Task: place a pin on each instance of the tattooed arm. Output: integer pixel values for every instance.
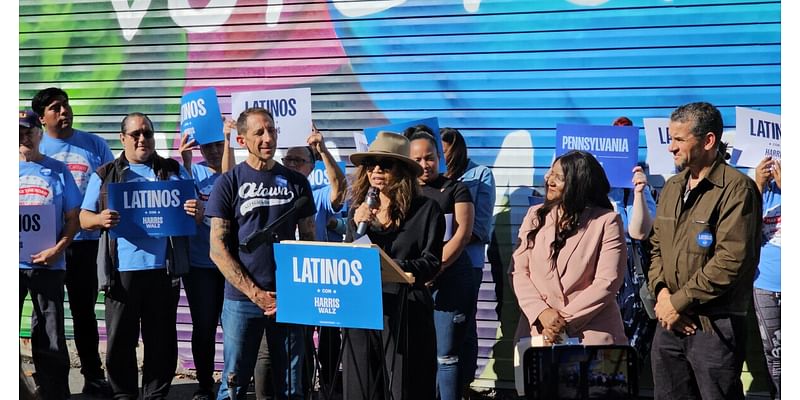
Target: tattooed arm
(233, 271)
(307, 228)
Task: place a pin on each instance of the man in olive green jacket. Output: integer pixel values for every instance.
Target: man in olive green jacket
(706, 245)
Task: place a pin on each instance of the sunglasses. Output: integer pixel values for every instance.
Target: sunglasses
(135, 135)
(384, 163)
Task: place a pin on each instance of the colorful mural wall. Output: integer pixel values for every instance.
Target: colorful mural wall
(504, 72)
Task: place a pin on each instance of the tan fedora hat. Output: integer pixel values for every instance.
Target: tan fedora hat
(388, 145)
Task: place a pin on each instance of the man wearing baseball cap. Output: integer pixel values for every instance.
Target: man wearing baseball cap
(45, 187)
(83, 153)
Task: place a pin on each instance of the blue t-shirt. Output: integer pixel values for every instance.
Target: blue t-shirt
(204, 179)
(46, 182)
(480, 183)
(83, 153)
(322, 199)
(768, 276)
(251, 200)
(617, 198)
(140, 253)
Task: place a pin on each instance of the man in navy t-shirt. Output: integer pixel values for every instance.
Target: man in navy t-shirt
(244, 200)
(83, 153)
(328, 200)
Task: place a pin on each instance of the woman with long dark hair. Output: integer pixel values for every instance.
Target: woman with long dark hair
(571, 257)
(409, 227)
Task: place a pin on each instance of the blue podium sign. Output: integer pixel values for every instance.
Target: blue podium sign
(615, 147)
(152, 209)
(200, 116)
(328, 285)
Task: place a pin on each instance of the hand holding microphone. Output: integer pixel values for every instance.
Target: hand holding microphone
(372, 202)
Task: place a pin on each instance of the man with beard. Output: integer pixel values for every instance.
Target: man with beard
(706, 245)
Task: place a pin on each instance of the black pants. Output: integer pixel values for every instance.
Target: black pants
(706, 365)
(262, 373)
(411, 368)
(81, 284)
(205, 289)
(147, 299)
(330, 340)
(48, 342)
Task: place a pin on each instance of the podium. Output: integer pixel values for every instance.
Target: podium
(343, 285)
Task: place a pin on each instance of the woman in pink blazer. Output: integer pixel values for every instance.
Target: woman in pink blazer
(571, 257)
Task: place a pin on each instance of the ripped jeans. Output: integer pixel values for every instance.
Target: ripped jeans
(451, 306)
(768, 312)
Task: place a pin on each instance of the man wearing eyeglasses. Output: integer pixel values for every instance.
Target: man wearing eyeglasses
(328, 199)
(138, 274)
(83, 153)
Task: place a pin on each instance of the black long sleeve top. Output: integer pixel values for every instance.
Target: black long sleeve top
(416, 245)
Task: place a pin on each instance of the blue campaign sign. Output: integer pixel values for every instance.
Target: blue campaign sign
(200, 116)
(615, 147)
(399, 127)
(329, 285)
(319, 176)
(152, 209)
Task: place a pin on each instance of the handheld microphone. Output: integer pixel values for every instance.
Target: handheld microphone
(257, 238)
(373, 202)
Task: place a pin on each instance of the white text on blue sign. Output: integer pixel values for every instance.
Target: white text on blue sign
(327, 271)
(595, 144)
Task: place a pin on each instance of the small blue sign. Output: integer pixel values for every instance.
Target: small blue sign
(200, 116)
(704, 239)
(615, 147)
(399, 127)
(319, 176)
(152, 209)
(327, 285)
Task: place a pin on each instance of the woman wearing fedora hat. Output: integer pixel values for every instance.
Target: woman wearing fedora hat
(409, 228)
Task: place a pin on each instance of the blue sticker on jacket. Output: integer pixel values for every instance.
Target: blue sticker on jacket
(280, 181)
(704, 239)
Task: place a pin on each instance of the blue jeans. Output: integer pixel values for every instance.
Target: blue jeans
(243, 325)
(452, 295)
(468, 361)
